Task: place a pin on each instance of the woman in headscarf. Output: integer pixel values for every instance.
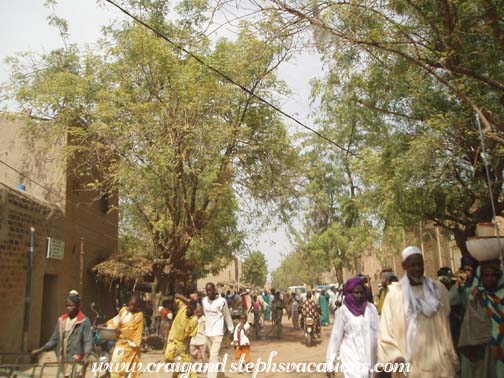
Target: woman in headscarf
(487, 291)
(129, 325)
(354, 334)
(266, 299)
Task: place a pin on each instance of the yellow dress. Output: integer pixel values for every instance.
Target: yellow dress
(127, 347)
(183, 328)
(381, 299)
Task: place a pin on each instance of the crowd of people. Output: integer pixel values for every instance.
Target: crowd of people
(448, 327)
(444, 328)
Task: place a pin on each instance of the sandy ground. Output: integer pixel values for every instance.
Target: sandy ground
(290, 348)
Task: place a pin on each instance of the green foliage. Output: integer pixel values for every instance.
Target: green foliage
(255, 269)
(174, 139)
(404, 85)
(297, 268)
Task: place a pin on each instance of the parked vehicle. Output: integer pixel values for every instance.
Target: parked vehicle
(299, 290)
(323, 287)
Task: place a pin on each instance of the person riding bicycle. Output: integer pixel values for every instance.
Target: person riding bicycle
(72, 337)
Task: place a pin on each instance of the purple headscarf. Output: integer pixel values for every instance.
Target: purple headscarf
(352, 305)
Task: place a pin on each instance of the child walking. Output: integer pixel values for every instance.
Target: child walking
(199, 343)
(241, 339)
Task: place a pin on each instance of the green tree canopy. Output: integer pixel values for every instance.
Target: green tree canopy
(174, 139)
(405, 82)
(255, 269)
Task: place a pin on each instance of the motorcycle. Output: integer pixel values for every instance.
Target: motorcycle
(309, 331)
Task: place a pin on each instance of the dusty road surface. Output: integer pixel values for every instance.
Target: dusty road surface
(290, 348)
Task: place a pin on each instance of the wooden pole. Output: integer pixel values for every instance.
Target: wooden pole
(438, 237)
(29, 269)
(421, 240)
(81, 276)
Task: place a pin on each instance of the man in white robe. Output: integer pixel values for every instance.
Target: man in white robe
(414, 324)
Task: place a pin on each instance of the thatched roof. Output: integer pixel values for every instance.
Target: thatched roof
(118, 267)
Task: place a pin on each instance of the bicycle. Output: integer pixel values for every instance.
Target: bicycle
(103, 345)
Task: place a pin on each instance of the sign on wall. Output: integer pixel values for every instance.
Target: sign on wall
(55, 249)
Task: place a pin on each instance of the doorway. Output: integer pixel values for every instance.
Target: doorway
(50, 306)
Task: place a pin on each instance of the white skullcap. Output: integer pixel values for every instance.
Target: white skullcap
(73, 293)
(408, 251)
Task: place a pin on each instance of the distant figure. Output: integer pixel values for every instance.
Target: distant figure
(365, 279)
(295, 304)
(277, 307)
(382, 293)
(311, 309)
(267, 301)
(323, 302)
(445, 276)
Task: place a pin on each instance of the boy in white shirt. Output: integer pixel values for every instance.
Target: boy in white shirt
(217, 316)
(241, 339)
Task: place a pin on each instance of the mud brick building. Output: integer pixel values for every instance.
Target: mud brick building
(438, 249)
(37, 191)
(227, 279)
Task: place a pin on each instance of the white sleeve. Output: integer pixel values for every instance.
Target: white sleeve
(235, 333)
(336, 338)
(227, 317)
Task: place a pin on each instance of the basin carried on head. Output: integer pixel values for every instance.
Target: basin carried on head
(485, 249)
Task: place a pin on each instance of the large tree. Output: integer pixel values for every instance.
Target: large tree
(407, 84)
(459, 44)
(335, 230)
(255, 269)
(297, 268)
(176, 140)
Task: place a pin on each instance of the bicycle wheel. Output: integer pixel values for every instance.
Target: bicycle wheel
(91, 367)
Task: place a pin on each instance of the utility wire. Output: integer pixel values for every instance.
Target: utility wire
(229, 79)
(484, 157)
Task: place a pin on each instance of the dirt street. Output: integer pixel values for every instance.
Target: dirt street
(290, 348)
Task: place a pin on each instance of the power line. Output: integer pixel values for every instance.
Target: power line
(77, 205)
(229, 79)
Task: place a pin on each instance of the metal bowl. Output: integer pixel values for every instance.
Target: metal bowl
(485, 249)
(107, 333)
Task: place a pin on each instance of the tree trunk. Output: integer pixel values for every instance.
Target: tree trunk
(460, 240)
